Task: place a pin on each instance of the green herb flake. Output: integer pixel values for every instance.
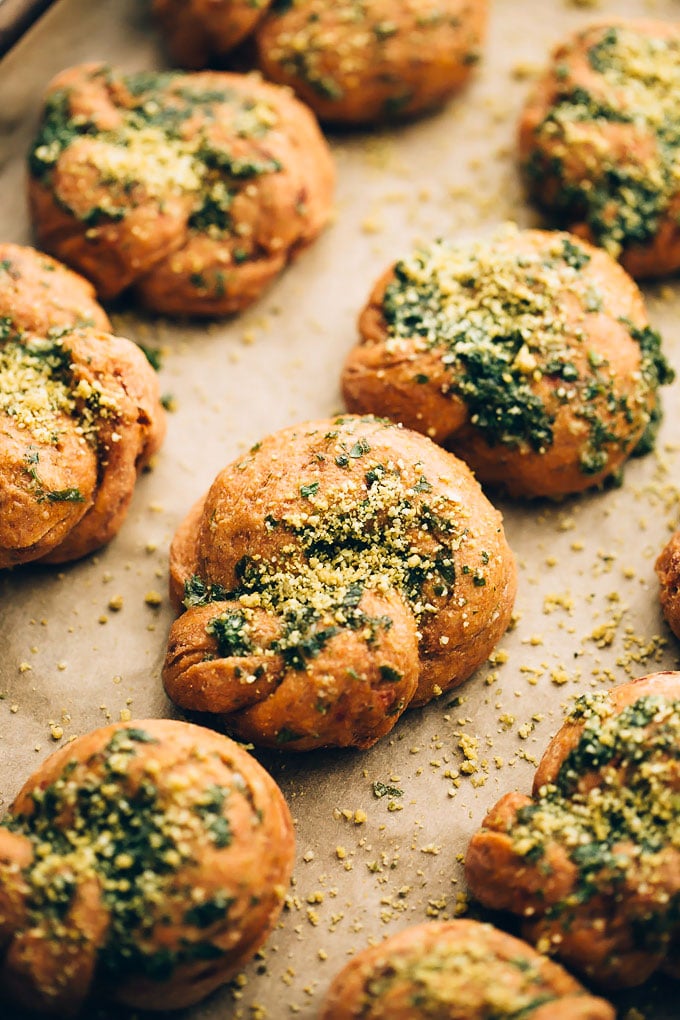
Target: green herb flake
(287, 736)
(360, 448)
(382, 790)
(231, 633)
(210, 808)
(198, 592)
(153, 355)
(209, 912)
(71, 495)
(422, 485)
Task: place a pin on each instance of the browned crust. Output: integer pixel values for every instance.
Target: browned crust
(665, 684)
(598, 935)
(668, 572)
(58, 975)
(103, 470)
(383, 382)
(617, 142)
(259, 696)
(398, 61)
(184, 552)
(362, 706)
(198, 31)
(505, 958)
(38, 293)
(174, 266)
(126, 445)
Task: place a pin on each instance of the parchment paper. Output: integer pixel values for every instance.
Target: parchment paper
(587, 607)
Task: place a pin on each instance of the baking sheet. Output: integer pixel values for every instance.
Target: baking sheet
(587, 605)
(15, 17)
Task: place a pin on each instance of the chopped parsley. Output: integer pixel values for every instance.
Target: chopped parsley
(616, 830)
(151, 148)
(494, 314)
(231, 632)
(71, 495)
(108, 818)
(622, 194)
(390, 674)
(198, 593)
(348, 544)
(382, 790)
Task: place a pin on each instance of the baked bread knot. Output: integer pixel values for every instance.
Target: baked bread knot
(529, 355)
(144, 863)
(80, 414)
(457, 970)
(340, 572)
(372, 60)
(600, 141)
(194, 190)
(354, 61)
(668, 572)
(37, 293)
(198, 32)
(591, 861)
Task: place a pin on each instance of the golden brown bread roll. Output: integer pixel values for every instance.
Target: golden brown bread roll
(377, 60)
(600, 140)
(371, 61)
(668, 573)
(80, 414)
(37, 293)
(340, 572)
(195, 190)
(529, 355)
(457, 970)
(199, 31)
(591, 861)
(79, 417)
(143, 863)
